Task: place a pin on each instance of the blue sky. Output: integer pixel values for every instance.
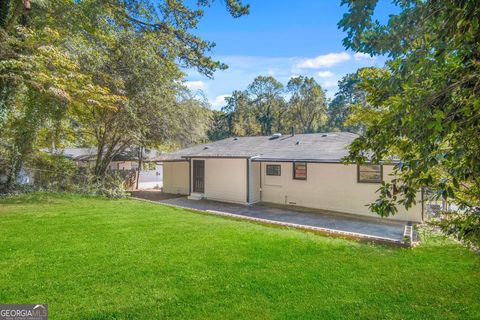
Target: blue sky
(282, 38)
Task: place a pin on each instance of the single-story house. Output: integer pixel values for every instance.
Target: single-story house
(151, 175)
(126, 160)
(295, 170)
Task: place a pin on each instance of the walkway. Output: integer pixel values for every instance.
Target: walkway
(362, 228)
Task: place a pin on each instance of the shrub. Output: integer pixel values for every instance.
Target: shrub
(463, 226)
(52, 172)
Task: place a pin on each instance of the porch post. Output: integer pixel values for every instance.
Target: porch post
(189, 176)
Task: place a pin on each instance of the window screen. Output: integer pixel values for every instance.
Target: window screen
(300, 170)
(370, 173)
(274, 170)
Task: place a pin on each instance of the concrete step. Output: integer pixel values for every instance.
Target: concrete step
(195, 196)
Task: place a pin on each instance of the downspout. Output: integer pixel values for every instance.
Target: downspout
(261, 191)
(248, 180)
(423, 202)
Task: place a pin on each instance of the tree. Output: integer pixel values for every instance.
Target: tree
(424, 106)
(348, 97)
(75, 54)
(307, 105)
(39, 81)
(219, 126)
(242, 115)
(266, 94)
(157, 110)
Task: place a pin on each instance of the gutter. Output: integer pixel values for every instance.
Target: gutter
(314, 161)
(221, 157)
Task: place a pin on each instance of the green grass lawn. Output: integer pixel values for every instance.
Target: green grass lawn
(104, 259)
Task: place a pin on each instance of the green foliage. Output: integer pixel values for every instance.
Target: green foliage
(265, 94)
(56, 173)
(53, 172)
(219, 128)
(263, 110)
(112, 185)
(348, 98)
(463, 226)
(307, 106)
(424, 106)
(108, 73)
(241, 115)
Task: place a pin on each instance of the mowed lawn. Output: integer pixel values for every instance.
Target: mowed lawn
(92, 258)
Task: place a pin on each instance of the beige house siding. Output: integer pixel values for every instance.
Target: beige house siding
(175, 177)
(225, 179)
(254, 182)
(329, 187)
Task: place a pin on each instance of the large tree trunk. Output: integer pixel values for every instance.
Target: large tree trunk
(15, 167)
(105, 157)
(25, 134)
(20, 151)
(20, 6)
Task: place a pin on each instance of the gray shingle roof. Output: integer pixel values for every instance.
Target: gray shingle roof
(327, 147)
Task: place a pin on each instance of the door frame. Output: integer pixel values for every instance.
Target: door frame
(195, 175)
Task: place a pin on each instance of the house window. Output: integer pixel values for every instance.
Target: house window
(300, 170)
(274, 170)
(372, 173)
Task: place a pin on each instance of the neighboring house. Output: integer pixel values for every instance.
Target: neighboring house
(150, 177)
(127, 160)
(299, 170)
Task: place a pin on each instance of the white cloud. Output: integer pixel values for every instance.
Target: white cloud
(326, 60)
(219, 100)
(195, 85)
(359, 56)
(325, 74)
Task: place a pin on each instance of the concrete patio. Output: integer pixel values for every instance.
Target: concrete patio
(361, 228)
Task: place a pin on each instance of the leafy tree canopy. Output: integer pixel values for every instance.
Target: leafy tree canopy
(307, 104)
(262, 109)
(348, 98)
(424, 106)
(110, 69)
